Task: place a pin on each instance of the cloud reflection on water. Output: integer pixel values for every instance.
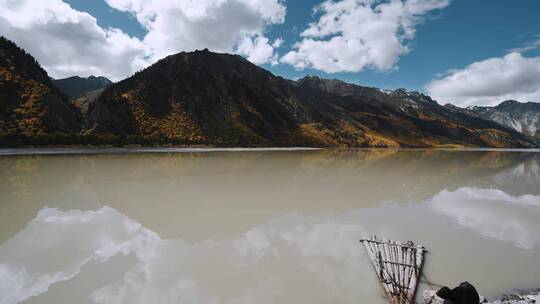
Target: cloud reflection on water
(493, 213)
(57, 246)
(290, 258)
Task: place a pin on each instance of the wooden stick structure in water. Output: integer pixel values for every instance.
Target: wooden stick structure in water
(398, 266)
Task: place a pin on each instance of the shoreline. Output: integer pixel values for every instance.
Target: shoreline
(204, 149)
(518, 297)
(136, 150)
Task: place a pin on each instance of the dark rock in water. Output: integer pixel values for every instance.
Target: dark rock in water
(465, 293)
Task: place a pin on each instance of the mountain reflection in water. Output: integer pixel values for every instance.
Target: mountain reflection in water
(261, 227)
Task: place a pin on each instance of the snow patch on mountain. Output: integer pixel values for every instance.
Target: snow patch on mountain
(523, 117)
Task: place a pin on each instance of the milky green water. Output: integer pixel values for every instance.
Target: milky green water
(261, 226)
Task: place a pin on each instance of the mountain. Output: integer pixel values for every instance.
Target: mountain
(222, 99)
(218, 99)
(29, 103)
(76, 86)
(413, 118)
(523, 117)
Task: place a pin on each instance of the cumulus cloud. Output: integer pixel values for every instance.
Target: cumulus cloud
(351, 35)
(68, 42)
(490, 81)
(220, 25)
(259, 50)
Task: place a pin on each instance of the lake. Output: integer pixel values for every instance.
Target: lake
(240, 226)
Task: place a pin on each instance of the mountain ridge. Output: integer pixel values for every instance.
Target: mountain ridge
(217, 99)
(76, 86)
(248, 105)
(521, 116)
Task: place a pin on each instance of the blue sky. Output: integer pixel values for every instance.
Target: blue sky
(464, 32)
(441, 48)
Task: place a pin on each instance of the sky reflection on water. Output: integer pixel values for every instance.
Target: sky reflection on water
(265, 227)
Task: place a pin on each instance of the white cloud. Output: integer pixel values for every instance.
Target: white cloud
(490, 81)
(68, 42)
(258, 50)
(529, 46)
(277, 43)
(220, 25)
(351, 35)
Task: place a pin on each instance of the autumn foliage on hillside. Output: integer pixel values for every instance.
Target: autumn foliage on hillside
(29, 104)
(216, 99)
(225, 100)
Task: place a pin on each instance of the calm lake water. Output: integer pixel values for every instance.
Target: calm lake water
(261, 226)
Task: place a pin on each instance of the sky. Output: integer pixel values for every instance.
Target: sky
(459, 51)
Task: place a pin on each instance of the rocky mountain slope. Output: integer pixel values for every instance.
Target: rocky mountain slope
(223, 99)
(76, 86)
(214, 98)
(29, 103)
(523, 117)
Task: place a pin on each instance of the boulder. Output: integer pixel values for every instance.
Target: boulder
(465, 293)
